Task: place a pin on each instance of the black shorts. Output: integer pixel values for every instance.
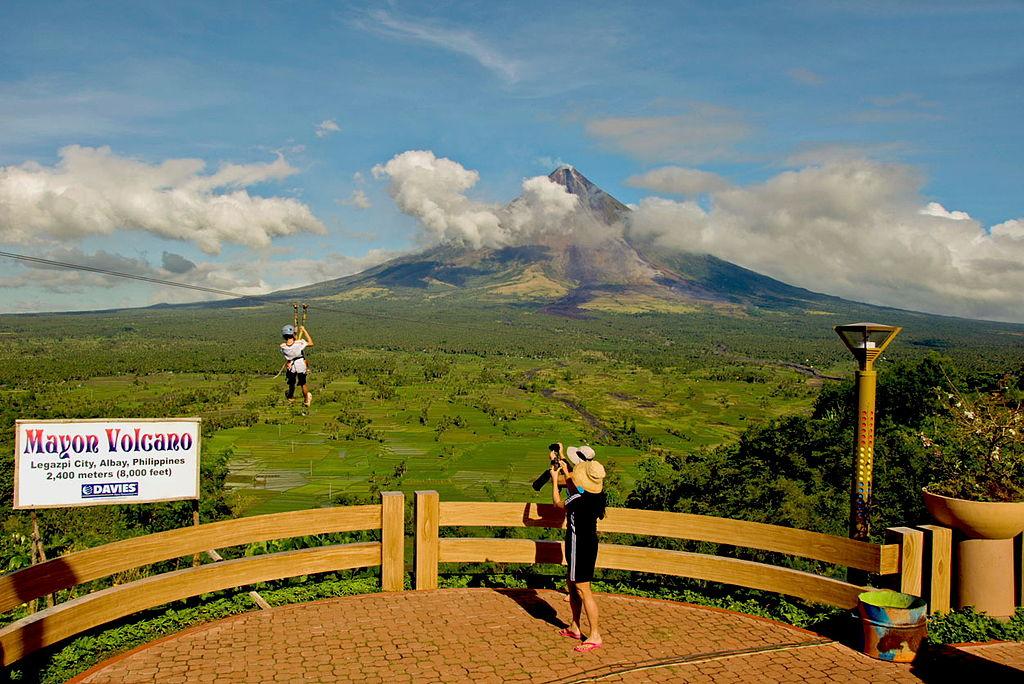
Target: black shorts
(296, 378)
(580, 552)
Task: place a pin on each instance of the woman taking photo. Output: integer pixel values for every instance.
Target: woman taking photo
(584, 505)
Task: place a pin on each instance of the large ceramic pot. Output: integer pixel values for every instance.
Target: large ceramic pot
(985, 559)
(977, 519)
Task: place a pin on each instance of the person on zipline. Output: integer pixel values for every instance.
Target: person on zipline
(295, 362)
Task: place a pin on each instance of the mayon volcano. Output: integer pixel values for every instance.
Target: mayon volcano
(587, 262)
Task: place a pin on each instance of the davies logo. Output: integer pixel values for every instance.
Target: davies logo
(99, 491)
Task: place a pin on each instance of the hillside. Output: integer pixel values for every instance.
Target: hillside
(595, 266)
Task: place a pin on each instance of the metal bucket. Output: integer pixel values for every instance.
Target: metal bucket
(894, 624)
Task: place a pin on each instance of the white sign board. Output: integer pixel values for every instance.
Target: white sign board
(59, 463)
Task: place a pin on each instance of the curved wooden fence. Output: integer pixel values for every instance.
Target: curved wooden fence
(431, 548)
(54, 624)
(47, 627)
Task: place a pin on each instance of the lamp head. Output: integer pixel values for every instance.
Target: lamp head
(867, 341)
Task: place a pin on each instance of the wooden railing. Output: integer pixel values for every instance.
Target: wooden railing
(49, 626)
(900, 560)
(897, 559)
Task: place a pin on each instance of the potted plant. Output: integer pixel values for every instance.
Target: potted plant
(977, 487)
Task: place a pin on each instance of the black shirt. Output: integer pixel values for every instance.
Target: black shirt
(583, 510)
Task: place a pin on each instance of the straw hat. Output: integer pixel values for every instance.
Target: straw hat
(579, 454)
(589, 475)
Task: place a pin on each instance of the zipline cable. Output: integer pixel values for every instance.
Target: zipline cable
(133, 276)
(225, 293)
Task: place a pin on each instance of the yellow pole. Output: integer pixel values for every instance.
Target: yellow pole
(863, 457)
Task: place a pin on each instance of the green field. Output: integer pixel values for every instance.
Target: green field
(499, 420)
(472, 428)
(462, 400)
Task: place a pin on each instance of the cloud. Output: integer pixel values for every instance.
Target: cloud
(433, 190)
(175, 263)
(455, 40)
(704, 133)
(858, 229)
(899, 108)
(542, 208)
(805, 76)
(1012, 229)
(70, 289)
(304, 271)
(91, 191)
(241, 277)
(675, 180)
(815, 154)
(936, 209)
(326, 127)
(357, 199)
(548, 163)
(96, 102)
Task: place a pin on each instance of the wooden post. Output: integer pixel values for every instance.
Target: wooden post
(392, 537)
(195, 521)
(939, 563)
(33, 605)
(427, 519)
(38, 556)
(911, 557)
(254, 595)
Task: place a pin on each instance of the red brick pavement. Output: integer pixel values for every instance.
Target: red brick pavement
(486, 635)
(1009, 653)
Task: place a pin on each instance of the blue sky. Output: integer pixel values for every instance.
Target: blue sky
(746, 91)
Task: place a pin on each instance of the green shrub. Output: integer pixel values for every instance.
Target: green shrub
(966, 624)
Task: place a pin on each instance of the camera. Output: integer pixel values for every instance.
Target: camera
(554, 450)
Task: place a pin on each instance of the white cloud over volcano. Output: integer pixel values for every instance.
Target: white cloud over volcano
(92, 191)
(857, 229)
(433, 190)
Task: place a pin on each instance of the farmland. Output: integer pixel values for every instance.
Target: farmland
(480, 429)
(470, 427)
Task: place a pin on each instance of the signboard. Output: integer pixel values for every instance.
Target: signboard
(59, 463)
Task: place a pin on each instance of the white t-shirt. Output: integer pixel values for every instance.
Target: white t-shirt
(292, 352)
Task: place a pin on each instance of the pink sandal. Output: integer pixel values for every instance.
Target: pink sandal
(566, 632)
(587, 647)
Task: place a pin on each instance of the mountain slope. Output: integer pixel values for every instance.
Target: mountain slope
(592, 265)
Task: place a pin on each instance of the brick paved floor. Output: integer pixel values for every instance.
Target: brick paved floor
(486, 635)
(1008, 653)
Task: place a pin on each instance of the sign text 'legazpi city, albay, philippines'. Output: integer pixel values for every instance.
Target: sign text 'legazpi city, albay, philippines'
(91, 462)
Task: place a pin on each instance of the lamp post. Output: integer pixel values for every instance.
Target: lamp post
(866, 341)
